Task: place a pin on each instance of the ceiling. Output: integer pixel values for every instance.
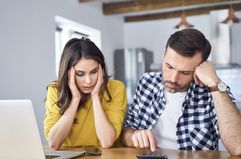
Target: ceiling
(144, 10)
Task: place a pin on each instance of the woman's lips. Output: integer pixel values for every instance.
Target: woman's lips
(88, 88)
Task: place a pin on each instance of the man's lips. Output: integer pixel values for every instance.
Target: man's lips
(171, 86)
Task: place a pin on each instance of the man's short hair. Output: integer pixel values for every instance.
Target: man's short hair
(188, 42)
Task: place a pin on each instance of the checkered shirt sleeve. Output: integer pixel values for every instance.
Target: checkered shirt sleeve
(145, 109)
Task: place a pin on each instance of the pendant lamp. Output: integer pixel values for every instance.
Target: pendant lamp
(231, 17)
(183, 24)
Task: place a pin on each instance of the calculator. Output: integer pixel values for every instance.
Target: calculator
(152, 155)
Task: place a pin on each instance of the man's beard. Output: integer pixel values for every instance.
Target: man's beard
(172, 87)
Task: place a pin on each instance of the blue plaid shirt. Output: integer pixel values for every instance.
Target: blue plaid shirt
(197, 128)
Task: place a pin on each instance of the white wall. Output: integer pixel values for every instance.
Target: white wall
(236, 42)
(27, 56)
(153, 35)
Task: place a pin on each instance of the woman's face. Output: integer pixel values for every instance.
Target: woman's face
(86, 74)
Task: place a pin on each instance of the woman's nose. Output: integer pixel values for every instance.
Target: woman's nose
(87, 79)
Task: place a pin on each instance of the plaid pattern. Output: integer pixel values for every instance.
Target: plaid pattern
(197, 128)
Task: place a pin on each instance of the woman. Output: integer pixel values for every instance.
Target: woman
(84, 107)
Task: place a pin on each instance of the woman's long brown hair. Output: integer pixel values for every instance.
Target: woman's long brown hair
(74, 50)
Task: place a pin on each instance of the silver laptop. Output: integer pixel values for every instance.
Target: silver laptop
(19, 135)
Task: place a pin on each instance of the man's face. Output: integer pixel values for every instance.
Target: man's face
(178, 70)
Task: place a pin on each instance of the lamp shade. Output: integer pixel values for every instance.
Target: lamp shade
(183, 24)
(231, 17)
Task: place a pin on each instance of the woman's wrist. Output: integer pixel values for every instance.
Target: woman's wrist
(94, 96)
(75, 100)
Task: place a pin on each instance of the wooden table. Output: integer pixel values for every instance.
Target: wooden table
(130, 153)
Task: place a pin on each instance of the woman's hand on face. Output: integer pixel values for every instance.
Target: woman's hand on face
(99, 82)
(72, 85)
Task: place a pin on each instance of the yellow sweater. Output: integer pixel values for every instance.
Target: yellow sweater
(83, 129)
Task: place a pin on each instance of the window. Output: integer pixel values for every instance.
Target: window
(67, 29)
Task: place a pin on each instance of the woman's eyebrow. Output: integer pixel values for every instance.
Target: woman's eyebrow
(96, 68)
(78, 70)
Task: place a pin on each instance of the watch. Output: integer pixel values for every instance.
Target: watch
(221, 87)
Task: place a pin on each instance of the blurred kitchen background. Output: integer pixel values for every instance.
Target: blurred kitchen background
(131, 33)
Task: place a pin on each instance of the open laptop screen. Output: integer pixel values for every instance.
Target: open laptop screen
(19, 133)
(20, 137)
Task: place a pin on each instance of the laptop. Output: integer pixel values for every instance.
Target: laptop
(19, 135)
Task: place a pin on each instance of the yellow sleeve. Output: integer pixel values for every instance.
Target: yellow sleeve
(117, 106)
(52, 114)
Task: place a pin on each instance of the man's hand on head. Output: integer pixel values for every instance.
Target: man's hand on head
(205, 74)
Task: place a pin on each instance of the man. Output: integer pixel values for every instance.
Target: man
(186, 106)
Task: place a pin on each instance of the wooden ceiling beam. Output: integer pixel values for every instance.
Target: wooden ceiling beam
(174, 14)
(147, 5)
(82, 1)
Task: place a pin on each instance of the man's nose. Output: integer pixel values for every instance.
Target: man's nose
(174, 76)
